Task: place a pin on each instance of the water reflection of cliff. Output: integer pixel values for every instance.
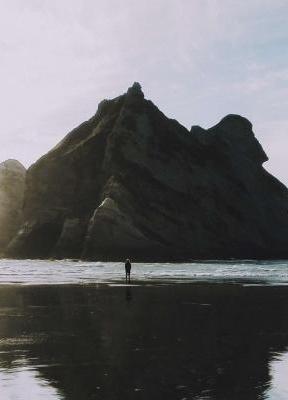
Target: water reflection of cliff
(169, 342)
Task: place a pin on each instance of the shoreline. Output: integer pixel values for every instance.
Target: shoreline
(46, 272)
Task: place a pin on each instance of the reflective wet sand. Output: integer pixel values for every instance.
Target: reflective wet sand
(189, 341)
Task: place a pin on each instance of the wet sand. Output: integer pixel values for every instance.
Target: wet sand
(183, 341)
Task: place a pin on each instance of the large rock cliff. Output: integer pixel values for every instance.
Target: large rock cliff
(132, 182)
(12, 184)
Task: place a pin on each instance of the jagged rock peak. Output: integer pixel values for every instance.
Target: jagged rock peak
(135, 90)
(134, 93)
(235, 131)
(235, 121)
(130, 181)
(238, 131)
(230, 123)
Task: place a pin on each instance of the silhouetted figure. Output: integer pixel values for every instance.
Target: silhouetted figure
(127, 270)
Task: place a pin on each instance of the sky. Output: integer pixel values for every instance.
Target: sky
(197, 60)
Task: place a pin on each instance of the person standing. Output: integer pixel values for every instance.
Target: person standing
(127, 270)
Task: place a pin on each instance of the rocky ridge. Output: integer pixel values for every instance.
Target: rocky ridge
(132, 182)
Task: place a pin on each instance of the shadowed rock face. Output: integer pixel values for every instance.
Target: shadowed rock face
(12, 184)
(131, 181)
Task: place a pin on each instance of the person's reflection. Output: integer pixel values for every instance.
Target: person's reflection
(128, 294)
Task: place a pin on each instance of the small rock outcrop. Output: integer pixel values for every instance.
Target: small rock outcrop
(132, 182)
(12, 184)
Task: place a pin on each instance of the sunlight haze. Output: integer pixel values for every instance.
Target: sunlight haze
(196, 60)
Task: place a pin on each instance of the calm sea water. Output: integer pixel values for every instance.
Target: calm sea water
(201, 331)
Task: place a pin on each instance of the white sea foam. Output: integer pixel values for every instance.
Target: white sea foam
(38, 272)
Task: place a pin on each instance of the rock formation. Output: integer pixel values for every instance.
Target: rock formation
(132, 182)
(12, 184)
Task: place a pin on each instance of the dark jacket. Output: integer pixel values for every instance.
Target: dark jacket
(127, 266)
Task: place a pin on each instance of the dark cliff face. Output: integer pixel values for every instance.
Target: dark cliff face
(132, 182)
(12, 184)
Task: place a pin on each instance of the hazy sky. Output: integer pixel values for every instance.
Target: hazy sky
(198, 60)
